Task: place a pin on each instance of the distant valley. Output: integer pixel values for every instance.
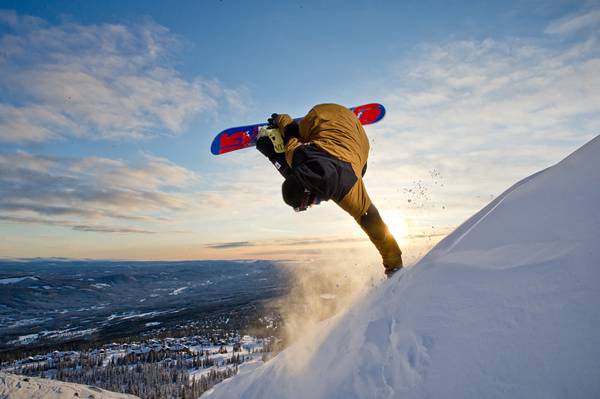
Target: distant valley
(48, 301)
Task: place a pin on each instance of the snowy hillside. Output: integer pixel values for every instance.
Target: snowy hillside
(507, 306)
(21, 387)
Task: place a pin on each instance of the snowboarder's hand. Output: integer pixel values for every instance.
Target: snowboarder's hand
(273, 121)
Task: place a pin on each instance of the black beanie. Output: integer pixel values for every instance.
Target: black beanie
(292, 191)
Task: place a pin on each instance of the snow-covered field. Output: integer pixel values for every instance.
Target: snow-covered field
(507, 306)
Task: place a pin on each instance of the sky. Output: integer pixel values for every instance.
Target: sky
(108, 109)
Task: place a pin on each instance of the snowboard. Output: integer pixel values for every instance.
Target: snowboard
(236, 138)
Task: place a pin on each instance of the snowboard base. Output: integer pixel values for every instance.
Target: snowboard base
(237, 138)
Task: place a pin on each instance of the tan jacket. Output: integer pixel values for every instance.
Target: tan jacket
(336, 130)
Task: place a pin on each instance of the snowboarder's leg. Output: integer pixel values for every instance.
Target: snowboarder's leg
(384, 241)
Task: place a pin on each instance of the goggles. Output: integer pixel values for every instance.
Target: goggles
(307, 200)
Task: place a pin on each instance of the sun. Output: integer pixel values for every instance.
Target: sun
(397, 225)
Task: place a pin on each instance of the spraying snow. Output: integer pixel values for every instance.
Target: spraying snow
(505, 306)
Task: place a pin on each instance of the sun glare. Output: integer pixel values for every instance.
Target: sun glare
(397, 225)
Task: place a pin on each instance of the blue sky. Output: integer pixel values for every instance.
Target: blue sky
(107, 111)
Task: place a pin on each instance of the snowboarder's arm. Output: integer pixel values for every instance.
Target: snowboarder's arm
(291, 146)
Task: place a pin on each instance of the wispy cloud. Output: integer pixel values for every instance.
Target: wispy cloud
(230, 245)
(287, 242)
(103, 81)
(105, 229)
(91, 194)
(574, 23)
(74, 226)
(320, 241)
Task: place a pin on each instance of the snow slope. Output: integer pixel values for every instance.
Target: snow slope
(507, 306)
(21, 387)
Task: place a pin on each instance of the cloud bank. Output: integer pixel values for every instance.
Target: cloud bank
(92, 194)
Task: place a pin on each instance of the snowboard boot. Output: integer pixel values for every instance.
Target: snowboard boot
(392, 266)
(384, 241)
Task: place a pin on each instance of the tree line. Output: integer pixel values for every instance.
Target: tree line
(162, 374)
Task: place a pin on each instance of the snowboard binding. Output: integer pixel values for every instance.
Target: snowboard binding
(274, 135)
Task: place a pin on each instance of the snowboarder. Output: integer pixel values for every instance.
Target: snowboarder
(323, 157)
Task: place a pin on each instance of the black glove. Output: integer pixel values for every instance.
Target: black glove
(272, 121)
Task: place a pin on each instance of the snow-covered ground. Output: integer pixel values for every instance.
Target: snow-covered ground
(250, 351)
(21, 387)
(507, 306)
(52, 334)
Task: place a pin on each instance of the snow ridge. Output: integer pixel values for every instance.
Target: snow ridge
(505, 306)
